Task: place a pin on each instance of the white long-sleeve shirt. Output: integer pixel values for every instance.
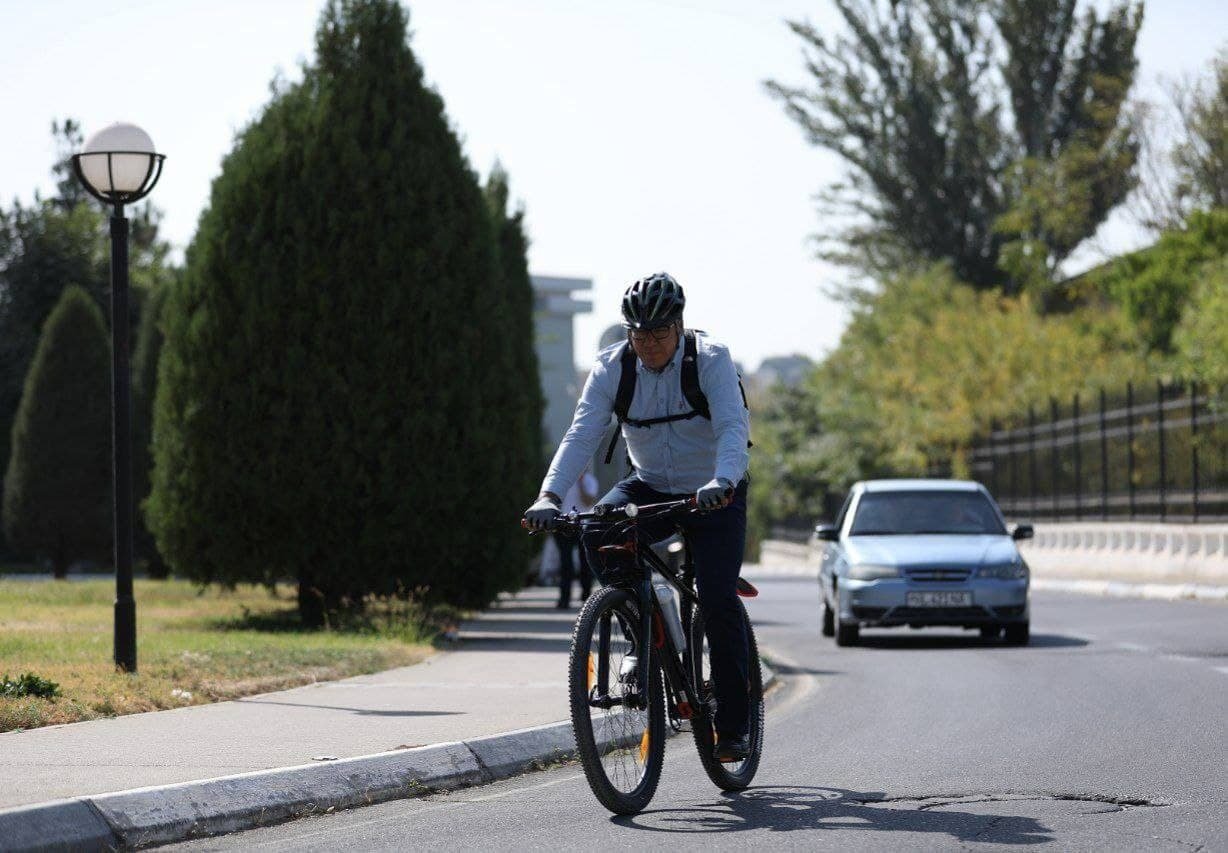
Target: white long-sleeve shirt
(676, 457)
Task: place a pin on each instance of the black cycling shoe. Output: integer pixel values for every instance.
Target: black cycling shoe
(731, 748)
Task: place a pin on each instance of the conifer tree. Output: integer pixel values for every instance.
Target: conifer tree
(324, 407)
(144, 382)
(517, 394)
(57, 490)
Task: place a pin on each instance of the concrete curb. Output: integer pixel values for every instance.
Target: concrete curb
(164, 814)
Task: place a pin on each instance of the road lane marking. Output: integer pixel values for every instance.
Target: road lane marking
(1223, 669)
(1133, 647)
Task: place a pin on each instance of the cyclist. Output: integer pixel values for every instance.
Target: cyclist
(676, 449)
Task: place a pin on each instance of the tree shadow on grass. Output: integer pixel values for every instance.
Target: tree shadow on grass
(792, 808)
(284, 621)
(402, 620)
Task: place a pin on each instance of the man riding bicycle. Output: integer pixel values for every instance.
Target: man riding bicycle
(681, 440)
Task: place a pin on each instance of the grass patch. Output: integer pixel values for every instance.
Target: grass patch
(193, 646)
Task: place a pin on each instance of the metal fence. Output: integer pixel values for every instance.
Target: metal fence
(1156, 453)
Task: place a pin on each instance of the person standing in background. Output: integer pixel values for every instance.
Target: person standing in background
(579, 497)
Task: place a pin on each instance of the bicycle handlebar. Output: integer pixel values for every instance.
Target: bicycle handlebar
(569, 523)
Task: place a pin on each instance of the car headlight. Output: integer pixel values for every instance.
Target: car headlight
(1004, 571)
(865, 572)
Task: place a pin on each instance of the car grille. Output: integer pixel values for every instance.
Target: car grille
(944, 614)
(954, 575)
(869, 612)
(1012, 611)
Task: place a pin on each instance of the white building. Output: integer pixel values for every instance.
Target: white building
(554, 308)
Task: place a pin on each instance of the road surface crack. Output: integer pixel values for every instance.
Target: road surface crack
(925, 803)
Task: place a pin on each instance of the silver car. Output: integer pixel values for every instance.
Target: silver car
(922, 553)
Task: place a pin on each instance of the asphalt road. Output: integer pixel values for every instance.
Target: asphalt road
(1108, 732)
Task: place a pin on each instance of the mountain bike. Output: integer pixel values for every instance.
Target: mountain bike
(640, 660)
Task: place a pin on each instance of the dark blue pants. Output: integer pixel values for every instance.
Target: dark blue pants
(567, 571)
(717, 540)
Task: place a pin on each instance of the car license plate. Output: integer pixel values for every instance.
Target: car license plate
(940, 599)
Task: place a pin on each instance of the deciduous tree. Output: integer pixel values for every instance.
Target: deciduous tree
(950, 151)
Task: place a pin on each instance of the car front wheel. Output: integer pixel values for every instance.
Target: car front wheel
(1017, 634)
(847, 633)
(829, 620)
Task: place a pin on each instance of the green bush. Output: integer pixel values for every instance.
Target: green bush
(1201, 339)
(28, 684)
(57, 491)
(331, 399)
(1154, 285)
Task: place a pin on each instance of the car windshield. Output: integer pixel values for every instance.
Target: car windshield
(907, 513)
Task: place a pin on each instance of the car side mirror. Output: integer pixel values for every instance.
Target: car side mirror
(1022, 531)
(826, 533)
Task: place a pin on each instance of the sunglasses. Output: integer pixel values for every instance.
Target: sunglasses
(641, 337)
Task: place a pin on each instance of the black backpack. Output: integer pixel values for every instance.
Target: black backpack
(690, 390)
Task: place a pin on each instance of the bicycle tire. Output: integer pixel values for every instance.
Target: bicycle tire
(618, 735)
(737, 776)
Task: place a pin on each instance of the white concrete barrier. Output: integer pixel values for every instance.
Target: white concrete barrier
(777, 552)
(1130, 552)
(1115, 551)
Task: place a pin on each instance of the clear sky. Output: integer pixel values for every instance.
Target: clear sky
(636, 133)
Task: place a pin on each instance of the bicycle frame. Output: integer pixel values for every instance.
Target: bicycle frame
(683, 694)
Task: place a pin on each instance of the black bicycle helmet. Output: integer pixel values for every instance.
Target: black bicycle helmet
(652, 302)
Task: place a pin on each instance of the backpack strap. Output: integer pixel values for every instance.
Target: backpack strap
(690, 376)
(622, 398)
(690, 381)
(626, 383)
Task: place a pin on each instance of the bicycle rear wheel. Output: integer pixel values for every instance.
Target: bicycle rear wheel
(619, 728)
(738, 775)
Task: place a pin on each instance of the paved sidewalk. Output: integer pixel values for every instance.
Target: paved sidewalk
(508, 671)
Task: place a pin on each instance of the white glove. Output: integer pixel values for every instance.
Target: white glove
(542, 514)
(717, 493)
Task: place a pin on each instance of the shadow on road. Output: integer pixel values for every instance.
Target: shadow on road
(788, 669)
(957, 641)
(508, 643)
(787, 809)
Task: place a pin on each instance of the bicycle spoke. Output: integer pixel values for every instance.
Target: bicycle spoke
(623, 728)
(603, 646)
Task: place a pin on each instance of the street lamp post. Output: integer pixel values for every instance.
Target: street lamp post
(118, 166)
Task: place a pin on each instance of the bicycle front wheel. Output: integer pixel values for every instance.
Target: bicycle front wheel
(736, 775)
(619, 725)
